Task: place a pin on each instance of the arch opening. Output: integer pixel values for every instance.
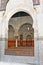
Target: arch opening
(22, 34)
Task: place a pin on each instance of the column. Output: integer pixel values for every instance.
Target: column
(16, 37)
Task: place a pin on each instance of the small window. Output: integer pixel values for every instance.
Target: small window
(36, 2)
(3, 4)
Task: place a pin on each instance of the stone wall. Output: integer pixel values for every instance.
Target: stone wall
(37, 15)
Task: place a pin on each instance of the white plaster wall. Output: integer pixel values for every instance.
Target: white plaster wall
(11, 9)
(40, 22)
(1, 17)
(19, 3)
(8, 14)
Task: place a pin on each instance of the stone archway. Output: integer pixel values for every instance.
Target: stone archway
(24, 20)
(10, 11)
(27, 32)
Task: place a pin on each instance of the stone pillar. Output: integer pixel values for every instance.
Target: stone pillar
(16, 36)
(16, 41)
